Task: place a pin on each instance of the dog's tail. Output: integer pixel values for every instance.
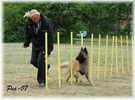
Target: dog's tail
(64, 65)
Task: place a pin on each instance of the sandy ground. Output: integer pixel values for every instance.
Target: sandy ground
(18, 72)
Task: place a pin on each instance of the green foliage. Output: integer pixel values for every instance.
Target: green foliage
(92, 17)
(80, 27)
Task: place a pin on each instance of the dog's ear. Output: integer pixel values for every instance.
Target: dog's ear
(81, 48)
(85, 50)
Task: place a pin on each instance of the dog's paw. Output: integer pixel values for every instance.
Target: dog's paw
(72, 81)
(91, 84)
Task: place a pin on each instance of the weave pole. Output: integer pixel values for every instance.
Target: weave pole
(99, 48)
(105, 67)
(116, 52)
(81, 40)
(58, 60)
(132, 40)
(46, 60)
(127, 54)
(71, 55)
(122, 57)
(111, 69)
(91, 60)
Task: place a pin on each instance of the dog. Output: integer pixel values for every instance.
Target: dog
(80, 66)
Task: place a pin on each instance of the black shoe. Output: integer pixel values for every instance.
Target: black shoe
(49, 66)
(41, 85)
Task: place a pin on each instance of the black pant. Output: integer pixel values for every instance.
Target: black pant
(38, 60)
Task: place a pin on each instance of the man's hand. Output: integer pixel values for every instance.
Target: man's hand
(48, 53)
(24, 46)
(43, 52)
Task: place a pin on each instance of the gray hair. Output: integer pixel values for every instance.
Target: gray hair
(31, 13)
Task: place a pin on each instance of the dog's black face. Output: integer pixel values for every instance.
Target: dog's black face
(82, 56)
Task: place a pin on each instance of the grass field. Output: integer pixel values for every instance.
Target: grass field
(18, 72)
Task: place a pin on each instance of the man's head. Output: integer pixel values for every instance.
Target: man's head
(35, 18)
(34, 15)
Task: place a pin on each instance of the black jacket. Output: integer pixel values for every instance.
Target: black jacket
(38, 40)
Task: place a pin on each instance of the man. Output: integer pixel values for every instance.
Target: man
(36, 27)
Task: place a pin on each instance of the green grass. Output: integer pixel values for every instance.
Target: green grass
(18, 71)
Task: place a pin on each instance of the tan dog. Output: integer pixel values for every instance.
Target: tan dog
(79, 66)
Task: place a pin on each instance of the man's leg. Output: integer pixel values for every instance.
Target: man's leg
(41, 68)
(34, 57)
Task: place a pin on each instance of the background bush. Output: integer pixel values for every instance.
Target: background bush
(104, 18)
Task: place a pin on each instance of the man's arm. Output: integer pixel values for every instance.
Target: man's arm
(27, 38)
(49, 30)
(50, 38)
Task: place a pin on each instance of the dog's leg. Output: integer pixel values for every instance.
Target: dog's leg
(76, 77)
(86, 75)
(68, 78)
